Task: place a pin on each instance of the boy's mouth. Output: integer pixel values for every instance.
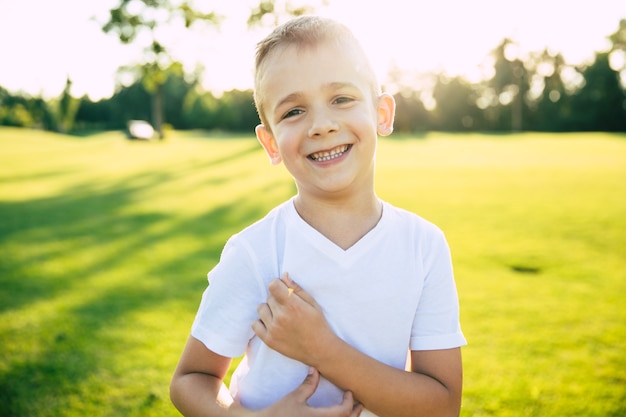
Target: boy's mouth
(324, 156)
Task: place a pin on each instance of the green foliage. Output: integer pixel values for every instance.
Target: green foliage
(457, 110)
(105, 244)
(237, 112)
(200, 110)
(601, 101)
(23, 111)
(185, 106)
(411, 114)
(618, 38)
(272, 12)
(130, 17)
(66, 108)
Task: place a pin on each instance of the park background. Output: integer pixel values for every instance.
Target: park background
(511, 138)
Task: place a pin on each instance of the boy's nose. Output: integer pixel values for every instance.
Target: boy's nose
(322, 124)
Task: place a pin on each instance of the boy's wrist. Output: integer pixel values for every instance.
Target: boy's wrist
(329, 349)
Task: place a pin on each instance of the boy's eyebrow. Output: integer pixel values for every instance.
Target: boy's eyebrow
(287, 99)
(330, 86)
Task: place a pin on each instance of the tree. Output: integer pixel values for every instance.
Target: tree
(618, 38)
(95, 115)
(66, 109)
(14, 110)
(456, 109)
(617, 55)
(175, 89)
(271, 11)
(510, 85)
(132, 17)
(200, 110)
(551, 105)
(237, 112)
(24, 111)
(599, 104)
(411, 114)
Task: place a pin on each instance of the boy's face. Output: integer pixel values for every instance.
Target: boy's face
(323, 117)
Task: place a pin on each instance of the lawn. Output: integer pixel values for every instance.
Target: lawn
(105, 245)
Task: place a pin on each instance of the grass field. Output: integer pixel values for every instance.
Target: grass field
(105, 243)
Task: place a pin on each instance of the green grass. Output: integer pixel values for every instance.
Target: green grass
(105, 243)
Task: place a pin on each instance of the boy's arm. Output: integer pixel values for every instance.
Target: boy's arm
(197, 381)
(197, 389)
(293, 324)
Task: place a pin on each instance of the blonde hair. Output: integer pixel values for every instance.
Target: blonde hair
(303, 31)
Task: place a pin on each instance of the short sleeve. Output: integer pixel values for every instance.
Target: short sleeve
(228, 307)
(436, 324)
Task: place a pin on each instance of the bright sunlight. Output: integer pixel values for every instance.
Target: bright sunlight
(46, 42)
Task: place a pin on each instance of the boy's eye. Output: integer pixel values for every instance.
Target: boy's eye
(343, 100)
(292, 113)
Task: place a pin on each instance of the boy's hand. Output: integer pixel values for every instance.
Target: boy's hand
(295, 403)
(292, 323)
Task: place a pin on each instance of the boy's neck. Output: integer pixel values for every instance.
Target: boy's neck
(342, 221)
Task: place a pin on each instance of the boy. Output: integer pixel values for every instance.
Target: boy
(370, 281)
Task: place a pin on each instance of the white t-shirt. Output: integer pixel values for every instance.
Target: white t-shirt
(391, 291)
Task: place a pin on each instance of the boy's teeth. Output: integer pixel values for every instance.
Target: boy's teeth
(328, 155)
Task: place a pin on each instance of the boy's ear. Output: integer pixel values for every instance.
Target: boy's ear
(266, 139)
(386, 114)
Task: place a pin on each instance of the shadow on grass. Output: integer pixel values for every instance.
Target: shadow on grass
(93, 224)
(80, 217)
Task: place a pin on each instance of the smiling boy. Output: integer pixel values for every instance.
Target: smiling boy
(370, 281)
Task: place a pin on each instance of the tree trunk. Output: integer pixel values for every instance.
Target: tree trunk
(516, 122)
(157, 111)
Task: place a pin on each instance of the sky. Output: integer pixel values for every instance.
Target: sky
(43, 42)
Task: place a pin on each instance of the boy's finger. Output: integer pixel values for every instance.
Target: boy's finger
(357, 410)
(259, 329)
(265, 312)
(294, 288)
(357, 407)
(276, 289)
(309, 385)
(279, 289)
